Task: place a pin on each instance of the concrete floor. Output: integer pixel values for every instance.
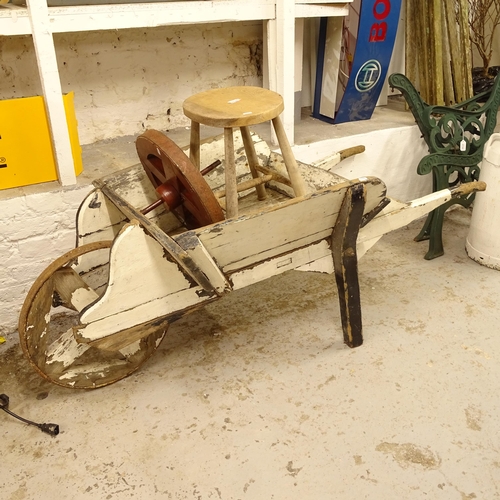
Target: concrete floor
(256, 397)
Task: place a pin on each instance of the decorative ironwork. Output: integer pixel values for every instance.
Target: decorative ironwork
(455, 136)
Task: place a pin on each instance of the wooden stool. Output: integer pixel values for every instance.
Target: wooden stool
(240, 107)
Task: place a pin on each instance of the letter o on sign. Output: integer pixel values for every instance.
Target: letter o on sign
(386, 9)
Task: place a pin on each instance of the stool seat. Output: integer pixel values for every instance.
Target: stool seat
(233, 106)
(241, 107)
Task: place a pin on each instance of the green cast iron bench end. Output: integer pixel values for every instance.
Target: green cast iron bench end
(455, 136)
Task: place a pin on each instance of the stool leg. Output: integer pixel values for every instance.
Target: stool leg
(290, 162)
(253, 161)
(230, 171)
(194, 144)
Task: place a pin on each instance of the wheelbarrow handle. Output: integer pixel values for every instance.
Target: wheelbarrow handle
(355, 150)
(468, 188)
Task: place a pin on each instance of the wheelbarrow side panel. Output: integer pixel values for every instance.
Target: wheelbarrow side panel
(99, 219)
(143, 285)
(316, 257)
(242, 243)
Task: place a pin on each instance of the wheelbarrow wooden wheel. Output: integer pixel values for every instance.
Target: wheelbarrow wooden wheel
(49, 313)
(177, 181)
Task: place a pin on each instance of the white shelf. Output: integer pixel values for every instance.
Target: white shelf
(321, 9)
(42, 22)
(15, 21)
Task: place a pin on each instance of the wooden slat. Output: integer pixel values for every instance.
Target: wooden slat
(148, 15)
(328, 99)
(448, 90)
(194, 247)
(247, 240)
(421, 46)
(436, 25)
(284, 44)
(72, 290)
(124, 338)
(305, 256)
(411, 62)
(466, 45)
(254, 238)
(455, 53)
(168, 306)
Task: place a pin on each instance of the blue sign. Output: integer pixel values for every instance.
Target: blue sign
(378, 24)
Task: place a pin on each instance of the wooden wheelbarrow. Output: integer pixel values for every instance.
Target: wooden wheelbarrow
(99, 311)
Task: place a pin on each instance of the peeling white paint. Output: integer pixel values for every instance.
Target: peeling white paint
(131, 349)
(69, 375)
(82, 297)
(65, 350)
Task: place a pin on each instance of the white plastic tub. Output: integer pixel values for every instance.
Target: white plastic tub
(483, 240)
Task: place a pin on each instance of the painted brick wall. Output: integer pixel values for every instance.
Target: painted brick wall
(36, 229)
(128, 80)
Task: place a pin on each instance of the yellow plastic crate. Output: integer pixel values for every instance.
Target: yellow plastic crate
(26, 153)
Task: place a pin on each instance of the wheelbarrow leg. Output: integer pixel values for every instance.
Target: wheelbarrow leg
(345, 261)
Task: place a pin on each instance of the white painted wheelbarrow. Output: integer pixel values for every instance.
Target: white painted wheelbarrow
(99, 311)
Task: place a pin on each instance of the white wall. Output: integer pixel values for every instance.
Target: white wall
(36, 229)
(391, 153)
(127, 80)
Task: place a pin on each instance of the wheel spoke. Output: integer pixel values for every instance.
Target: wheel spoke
(64, 351)
(72, 291)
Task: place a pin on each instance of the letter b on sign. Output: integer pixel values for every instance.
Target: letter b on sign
(378, 32)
